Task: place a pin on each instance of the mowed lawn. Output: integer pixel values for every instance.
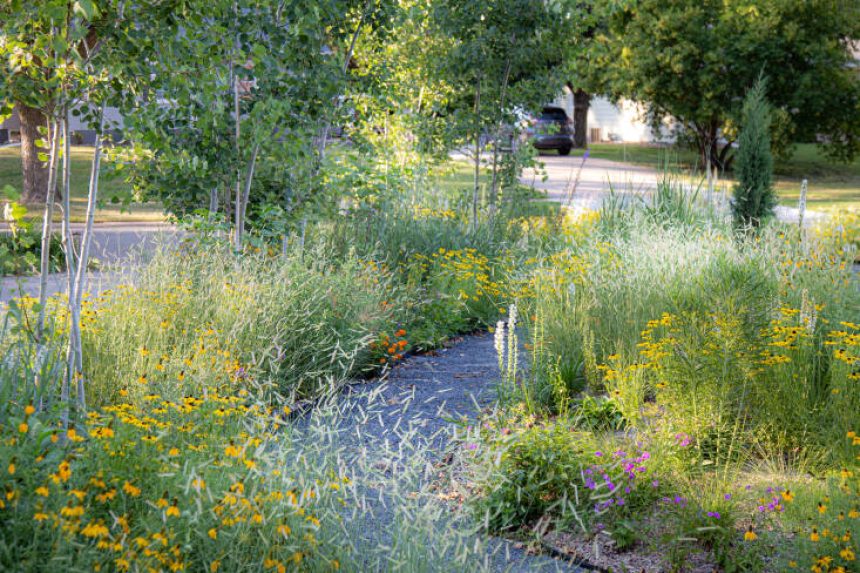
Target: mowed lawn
(831, 185)
(10, 174)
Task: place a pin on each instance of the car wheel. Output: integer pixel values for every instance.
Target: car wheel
(564, 151)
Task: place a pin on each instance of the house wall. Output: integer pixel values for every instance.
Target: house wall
(84, 134)
(621, 123)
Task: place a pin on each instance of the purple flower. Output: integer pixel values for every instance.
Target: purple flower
(655, 483)
(599, 454)
(714, 514)
(471, 446)
(620, 501)
(682, 439)
(728, 496)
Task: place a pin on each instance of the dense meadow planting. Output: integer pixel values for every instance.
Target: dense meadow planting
(691, 391)
(666, 384)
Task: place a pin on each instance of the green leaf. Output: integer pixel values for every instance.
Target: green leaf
(86, 8)
(10, 193)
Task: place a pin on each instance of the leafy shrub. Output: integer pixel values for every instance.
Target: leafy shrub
(547, 471)
(20, 253)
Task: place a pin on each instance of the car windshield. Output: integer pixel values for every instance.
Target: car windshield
(553, 114)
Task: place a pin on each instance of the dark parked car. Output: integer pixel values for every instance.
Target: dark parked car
(553, 130)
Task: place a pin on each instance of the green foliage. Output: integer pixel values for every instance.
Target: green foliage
(693, 60)
(754, 196)
(20, 253)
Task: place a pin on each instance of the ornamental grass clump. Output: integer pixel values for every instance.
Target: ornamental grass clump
(204, 316)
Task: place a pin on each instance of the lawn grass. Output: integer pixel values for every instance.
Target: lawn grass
(10, 174)
(831, 185)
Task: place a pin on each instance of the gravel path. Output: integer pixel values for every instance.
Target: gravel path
(416, 406)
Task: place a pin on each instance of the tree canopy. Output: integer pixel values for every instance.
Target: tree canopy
(693, 61)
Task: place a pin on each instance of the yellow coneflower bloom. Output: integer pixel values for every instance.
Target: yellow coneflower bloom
(814, 535)
(750, 535)
(29, 409)
(130, 489)
(23, 427)
(213, 533)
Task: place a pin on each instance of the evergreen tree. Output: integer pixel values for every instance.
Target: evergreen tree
(754, 197)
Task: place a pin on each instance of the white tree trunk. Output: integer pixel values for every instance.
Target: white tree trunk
(48, 226)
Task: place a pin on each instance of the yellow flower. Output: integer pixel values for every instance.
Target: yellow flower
(29, 409)
(821, 508)
(23, 427)
(144, 351)
(173, 510)
(847, 554)
(173, 452)
(11, 468)
(750, 535)
(787, 495)
(130, 489)
(198, 484)
(213, 567)
(39, 516)
(213, 533)
(814, 535)
(284, 530)
(42, 491)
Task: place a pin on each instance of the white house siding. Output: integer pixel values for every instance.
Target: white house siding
(114, 121)
(622, 123)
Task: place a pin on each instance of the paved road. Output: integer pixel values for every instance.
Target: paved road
(591, 181)
(116, 246)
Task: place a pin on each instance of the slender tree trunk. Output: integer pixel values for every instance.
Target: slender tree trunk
(69, 248)
(476, 190)
(76, 341)
(581, 103)
(499, 127)
(237, 238)
(35, 188)
(324, 131)
(249, 178)
(47, 227)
